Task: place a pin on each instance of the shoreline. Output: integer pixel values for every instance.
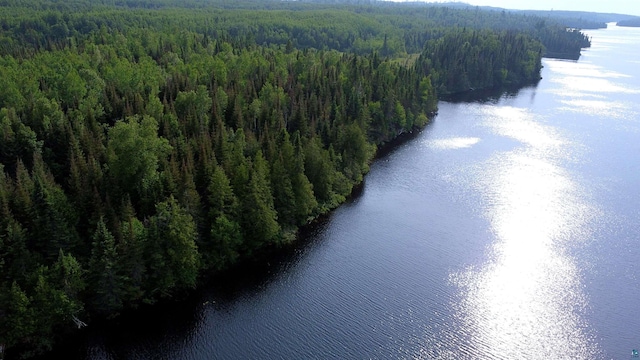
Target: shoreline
(248, 270)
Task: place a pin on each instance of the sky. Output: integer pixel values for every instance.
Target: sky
(630, 7)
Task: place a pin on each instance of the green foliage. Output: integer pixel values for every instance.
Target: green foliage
(172, 253)
(52, 309)
(221, 247)
(144, 142)
(105, 276)
(321, 172)
(35, 313)
(17, 141)
(226, 240)
(294, 199)
(193, 109)
(133, 153)
(356, 151)
(258, 216)
(53, 217)
(306, 202)
(470, 59)
(67, 272)
(16, 258)
(132, 250)
(18, 319)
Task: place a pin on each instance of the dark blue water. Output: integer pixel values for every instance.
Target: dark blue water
(509, 228)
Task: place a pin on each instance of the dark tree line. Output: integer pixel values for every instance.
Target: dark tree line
(390, 29)
(467, 59)
(143, 149)
(634, 22)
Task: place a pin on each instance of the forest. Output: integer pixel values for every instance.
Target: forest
(580, 19)
(633, 22)
(146, 145)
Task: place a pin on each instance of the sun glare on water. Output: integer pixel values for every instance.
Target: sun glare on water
(529, 294)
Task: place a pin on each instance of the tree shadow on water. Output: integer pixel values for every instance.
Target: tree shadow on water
(164, 330)
(488, 96)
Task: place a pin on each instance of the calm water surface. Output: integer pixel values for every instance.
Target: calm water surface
(508, 229)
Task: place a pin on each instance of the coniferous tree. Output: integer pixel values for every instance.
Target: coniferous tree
(303, 189)
(105, 276)
(225, 237)
(172, 255)
(258, 216)
(281, 180)
(131, 250)
(18, 316)
(54, 219)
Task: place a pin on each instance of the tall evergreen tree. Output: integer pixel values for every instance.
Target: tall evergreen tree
(258, 216)
(221, 247)
(303, 190)
(105, 277)
(173, 260)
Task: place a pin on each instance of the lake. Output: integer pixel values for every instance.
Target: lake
(508, 229)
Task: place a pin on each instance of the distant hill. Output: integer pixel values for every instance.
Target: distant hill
(572, 19)
(633, 22)
(581, 19)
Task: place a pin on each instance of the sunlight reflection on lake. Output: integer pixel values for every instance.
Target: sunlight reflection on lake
(598, 107)
(578, 84)
(453, 143)
(529, 294)
(571, 68)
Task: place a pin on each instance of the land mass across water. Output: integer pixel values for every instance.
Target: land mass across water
(633, 22)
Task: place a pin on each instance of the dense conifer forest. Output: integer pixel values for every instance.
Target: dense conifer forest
(145, 145)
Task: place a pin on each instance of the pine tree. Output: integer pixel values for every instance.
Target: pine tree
(283, 193)
(319, 171)
(68, 276)
(18, 323)
(131, 250)
(172, 255)
(220, 247)
(303, 190)
(105, 277)
(258, 216)
(54, 218)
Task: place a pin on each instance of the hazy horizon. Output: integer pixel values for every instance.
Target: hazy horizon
(611, 6)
